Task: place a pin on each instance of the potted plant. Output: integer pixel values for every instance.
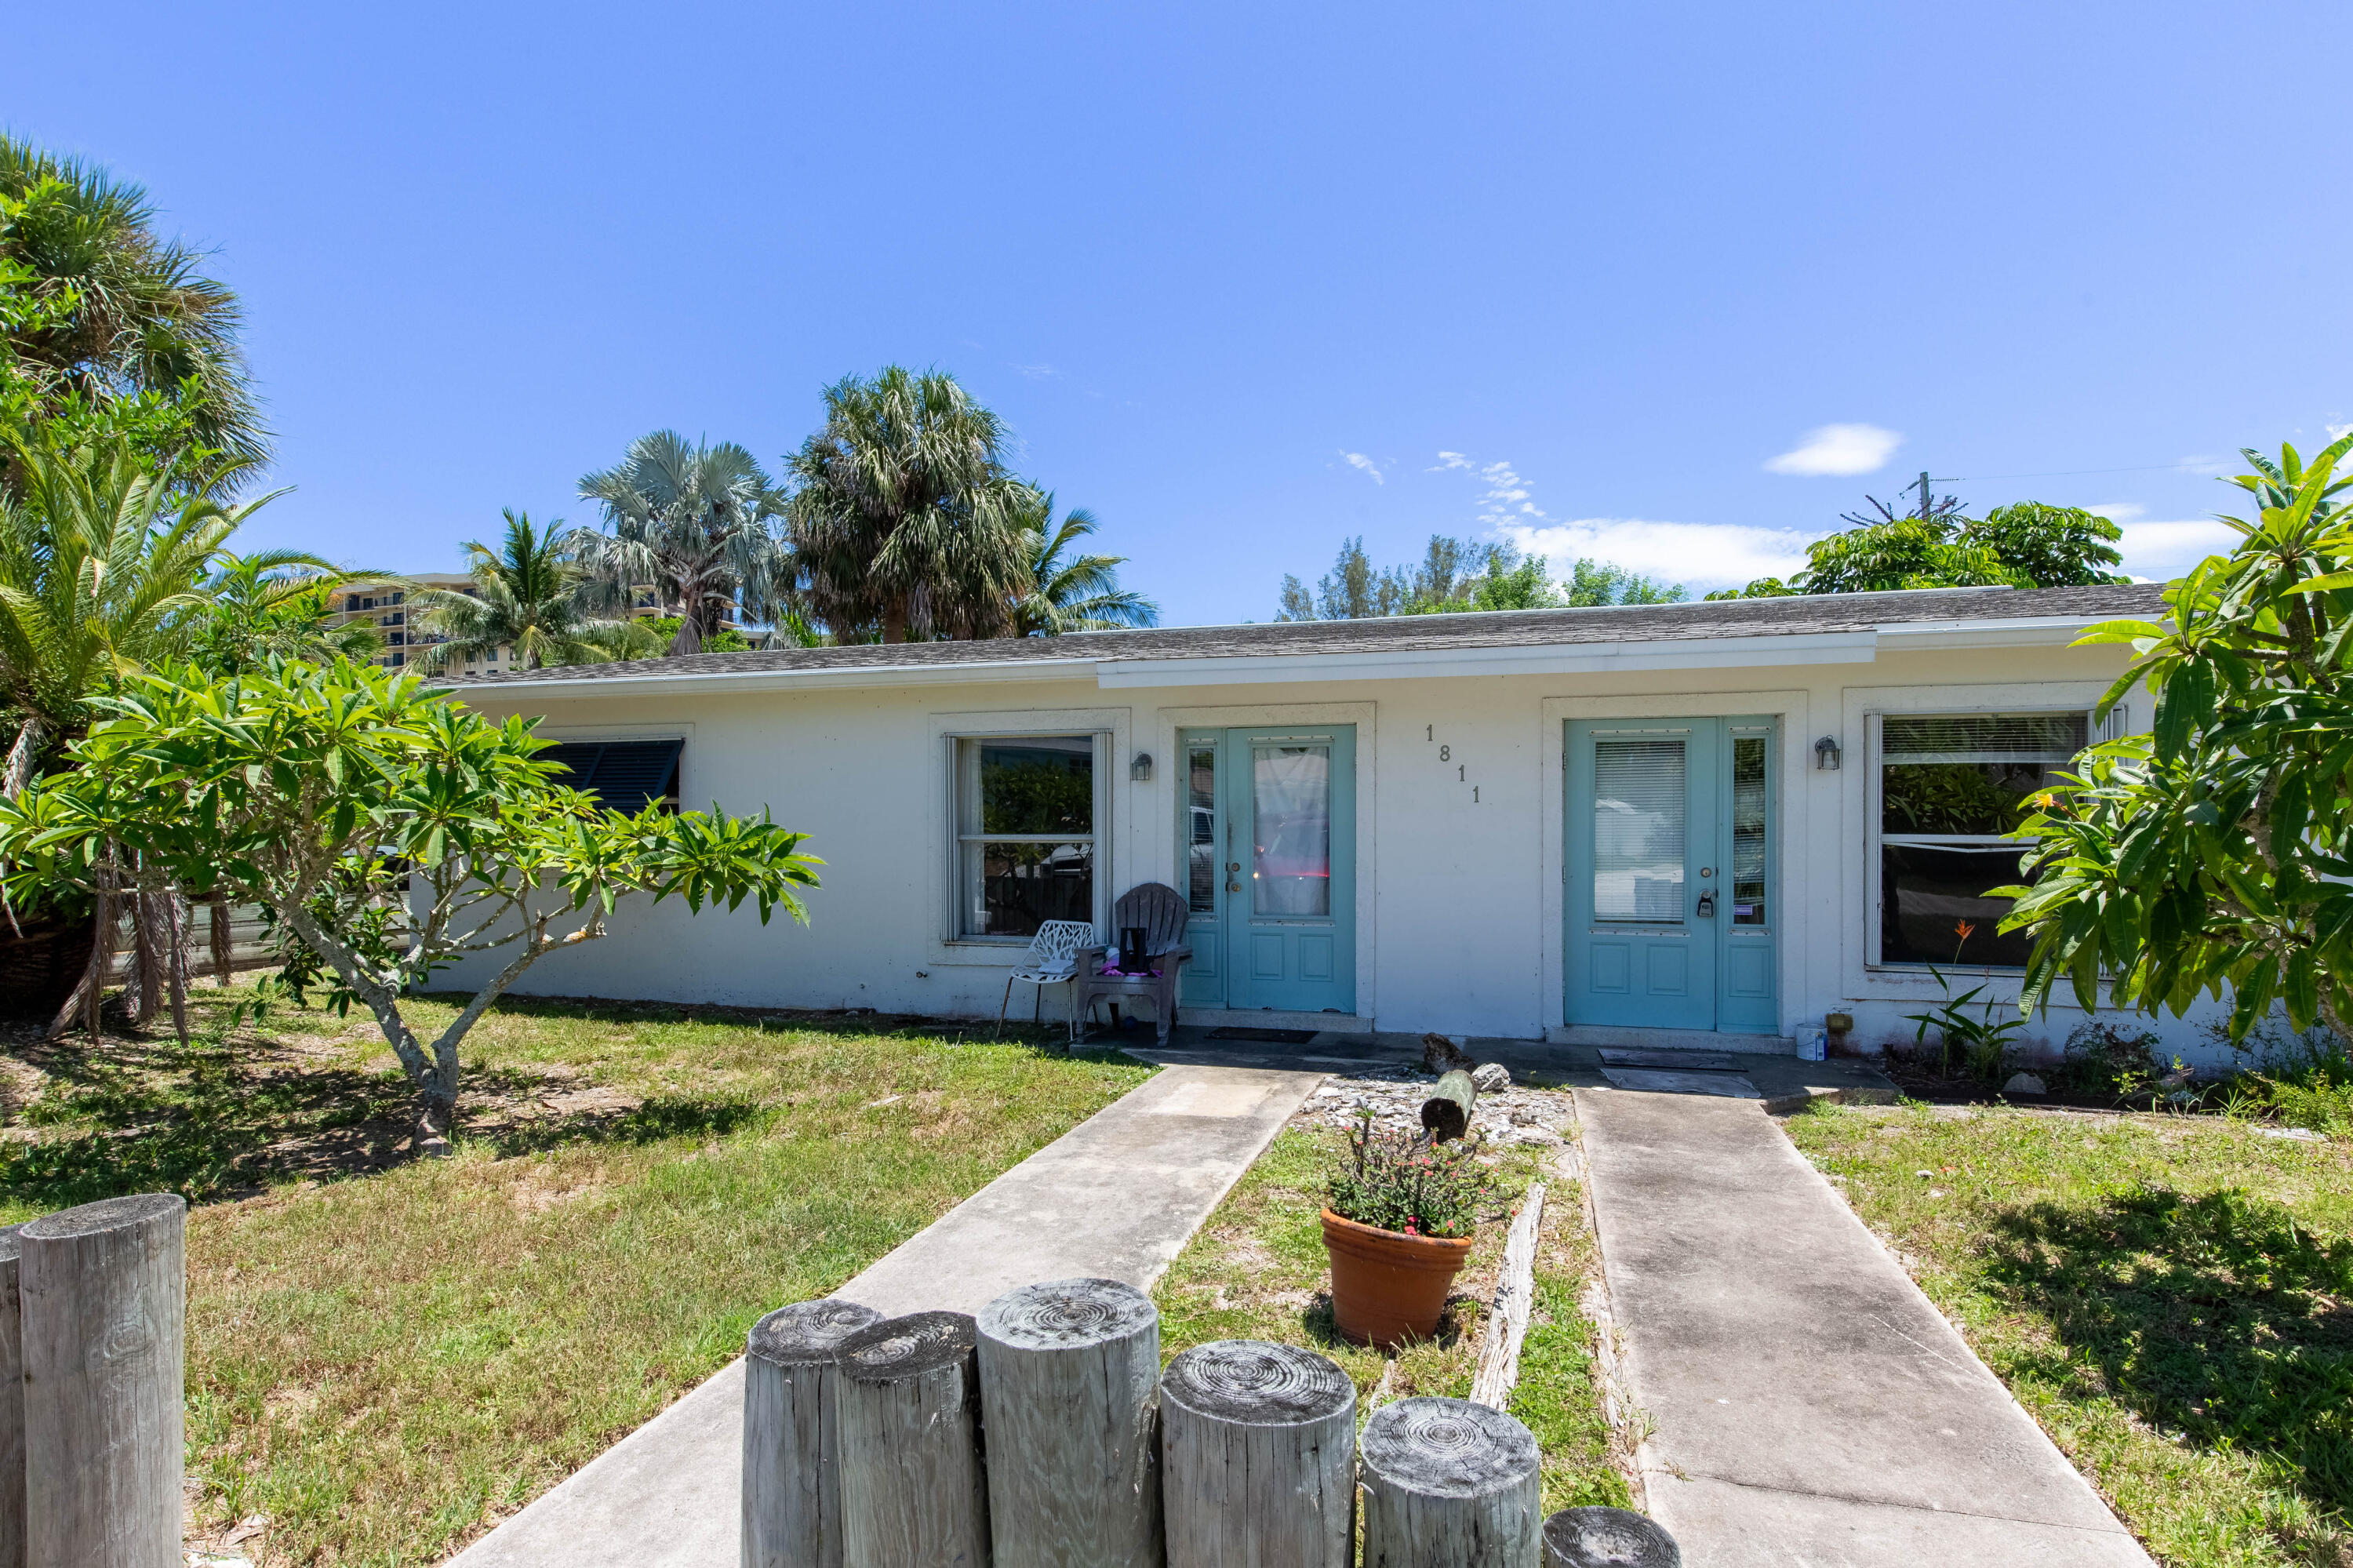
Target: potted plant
(1398, 1223)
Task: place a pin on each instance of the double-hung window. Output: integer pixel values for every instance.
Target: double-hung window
(1951, 785)
(1028, 812)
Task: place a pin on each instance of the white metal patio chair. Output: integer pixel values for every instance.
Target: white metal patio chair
(1057, 954)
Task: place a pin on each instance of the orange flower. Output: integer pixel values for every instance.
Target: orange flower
(1965, 931)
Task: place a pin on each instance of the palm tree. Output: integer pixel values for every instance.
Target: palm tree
(278, 604)
(904, 519)
(104, 557)
(531, 595)
(115, 312)
(1081, 594)
(694, 523)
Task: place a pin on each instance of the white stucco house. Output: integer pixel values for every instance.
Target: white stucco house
(1672, 823)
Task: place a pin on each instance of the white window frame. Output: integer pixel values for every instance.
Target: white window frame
(1109, 728)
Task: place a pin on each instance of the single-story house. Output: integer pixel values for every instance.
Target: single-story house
(1669, 823)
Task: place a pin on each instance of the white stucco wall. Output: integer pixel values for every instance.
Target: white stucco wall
(1459, 903)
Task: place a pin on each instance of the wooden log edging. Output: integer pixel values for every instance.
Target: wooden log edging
(1507, 1324)
(1453, 1482)
(1070, 1381)
(792, 1473)
(12, 1407)
(914, 1486)
(1608, 1538)
(104, 1299)
(1257, 1449)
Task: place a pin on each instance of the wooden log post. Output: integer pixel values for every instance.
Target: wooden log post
(792, 1472)
(914, 1486)
(104, 1291)
(1607, 1538)
(1453, 1482)
(1258, 1457)
(1070, 1383)
(1446, 1113)
(12, 1408)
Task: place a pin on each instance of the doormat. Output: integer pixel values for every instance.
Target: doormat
(1266, 1036)
(1679, 1061)
(1681, 1083)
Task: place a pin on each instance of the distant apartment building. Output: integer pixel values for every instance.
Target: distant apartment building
(384, 606)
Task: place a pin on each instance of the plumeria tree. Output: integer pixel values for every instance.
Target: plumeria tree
(393, 831)
(2215, 855)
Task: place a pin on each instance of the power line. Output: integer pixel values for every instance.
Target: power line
(2068, 473)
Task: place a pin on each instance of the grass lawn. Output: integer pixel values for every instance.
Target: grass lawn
(1258, 1270)
(388, 1355)
(2172, 1296)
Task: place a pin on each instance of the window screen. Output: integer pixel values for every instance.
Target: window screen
(622, 774)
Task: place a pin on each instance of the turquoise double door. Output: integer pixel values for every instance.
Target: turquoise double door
(1267, 847)
(1672, 891)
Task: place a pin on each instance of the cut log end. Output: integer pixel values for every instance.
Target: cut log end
(1067, 1314)
(106, 1215)
(1448, 1448)
(1446, 1113)
(900, 1348)
(1607, 1538)
(1254, 1384)
(808, 1332)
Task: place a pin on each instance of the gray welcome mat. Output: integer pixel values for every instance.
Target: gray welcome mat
(1266, 1036)
(1656, 1083)
(1679, 1061)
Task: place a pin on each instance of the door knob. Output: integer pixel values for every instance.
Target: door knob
(1707, 905)
(1232, 865)
(1233, 887)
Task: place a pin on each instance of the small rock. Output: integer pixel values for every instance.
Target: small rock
(1923, 1175)
(2024, 1084)
(2300, 1134)
(1493, 1078)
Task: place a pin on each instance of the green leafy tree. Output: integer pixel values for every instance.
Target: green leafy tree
(904, 521)
(1071, 593)
(531, 595)
(393, 831)
(104, 556)
(2215, 856)
(2026, 544)
(1456, 576)
(696, 525)
(110, 329)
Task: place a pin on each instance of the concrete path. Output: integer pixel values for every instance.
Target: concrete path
(1115, 1197)
(1809, 1407)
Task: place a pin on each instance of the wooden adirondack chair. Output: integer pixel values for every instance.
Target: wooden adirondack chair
(1161, 911)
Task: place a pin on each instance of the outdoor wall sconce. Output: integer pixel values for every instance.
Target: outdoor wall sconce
(1140, 770)
(1826, 754)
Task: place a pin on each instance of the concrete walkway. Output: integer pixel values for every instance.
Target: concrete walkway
(1809, 1407)
(1116, 1197)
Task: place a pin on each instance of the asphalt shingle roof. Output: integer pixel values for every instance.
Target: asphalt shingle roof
(1506, 629)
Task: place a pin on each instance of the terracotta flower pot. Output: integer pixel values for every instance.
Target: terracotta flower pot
(1388, 1286)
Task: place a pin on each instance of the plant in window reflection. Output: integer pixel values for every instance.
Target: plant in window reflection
(1036, 797)
(1950, 798)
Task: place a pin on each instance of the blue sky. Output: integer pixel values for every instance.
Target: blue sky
(1244, 278)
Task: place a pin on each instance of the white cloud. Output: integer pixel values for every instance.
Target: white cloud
(1700, 556)
(1837, 450)
(2118, 510)
(2338, 432)
(2162, 549)
(1037, 372)
(1359, 460)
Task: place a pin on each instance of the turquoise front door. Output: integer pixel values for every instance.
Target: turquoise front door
(1268, 840)
(1673, 895)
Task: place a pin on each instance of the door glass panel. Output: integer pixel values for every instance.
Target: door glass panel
(1202, 829)
(1291, 789)
(1748, 829)
(1638, 831)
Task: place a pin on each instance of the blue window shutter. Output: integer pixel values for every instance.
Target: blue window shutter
(622, 774)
